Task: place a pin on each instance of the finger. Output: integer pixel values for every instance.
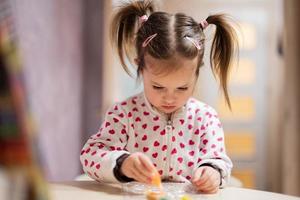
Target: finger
(198, 174)
(211, 191)
(210, 181)
(140, 174)
(138, 166)
(138, 177)
(204, 177)
(214, 190)
(208, 190)
(210, 185)
(134, 175)
(147, 163)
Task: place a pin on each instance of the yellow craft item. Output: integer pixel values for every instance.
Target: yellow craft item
(156, 181)
(150, 195)
(185, 197)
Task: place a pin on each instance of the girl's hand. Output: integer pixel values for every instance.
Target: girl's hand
(139, 167)
(207, 179)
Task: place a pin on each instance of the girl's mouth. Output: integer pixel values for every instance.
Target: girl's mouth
(169, 107)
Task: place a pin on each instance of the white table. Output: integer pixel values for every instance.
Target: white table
(90, 190)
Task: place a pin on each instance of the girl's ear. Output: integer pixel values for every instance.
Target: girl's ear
(136, 61)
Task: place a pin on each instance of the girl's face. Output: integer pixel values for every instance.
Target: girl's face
(168, 91)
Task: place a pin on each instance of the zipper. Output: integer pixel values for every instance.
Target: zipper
(168, 129)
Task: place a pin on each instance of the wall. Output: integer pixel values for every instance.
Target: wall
(50, 36)
(290, 138)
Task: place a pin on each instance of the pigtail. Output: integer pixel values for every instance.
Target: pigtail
(223, 48)
(124, 28)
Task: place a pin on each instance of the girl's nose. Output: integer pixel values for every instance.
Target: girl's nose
(169, 97)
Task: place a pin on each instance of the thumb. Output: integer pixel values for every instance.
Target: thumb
(198, 173)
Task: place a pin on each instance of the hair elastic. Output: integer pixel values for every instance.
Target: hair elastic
(203, 24)
(142, 20)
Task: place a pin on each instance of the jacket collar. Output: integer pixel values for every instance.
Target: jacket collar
(177, 114)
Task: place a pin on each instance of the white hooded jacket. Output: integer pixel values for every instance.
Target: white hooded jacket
(177, 147)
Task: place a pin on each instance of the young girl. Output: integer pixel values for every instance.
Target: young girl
(164, 129)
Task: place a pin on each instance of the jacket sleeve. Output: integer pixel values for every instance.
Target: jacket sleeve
(212, 145)
(99, 154)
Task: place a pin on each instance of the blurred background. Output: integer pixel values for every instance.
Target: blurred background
(72, 75)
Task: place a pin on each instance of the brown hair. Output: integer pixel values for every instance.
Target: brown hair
(171, 30)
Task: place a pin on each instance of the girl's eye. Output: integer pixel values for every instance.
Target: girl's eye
(183, 88)
(157, 87)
